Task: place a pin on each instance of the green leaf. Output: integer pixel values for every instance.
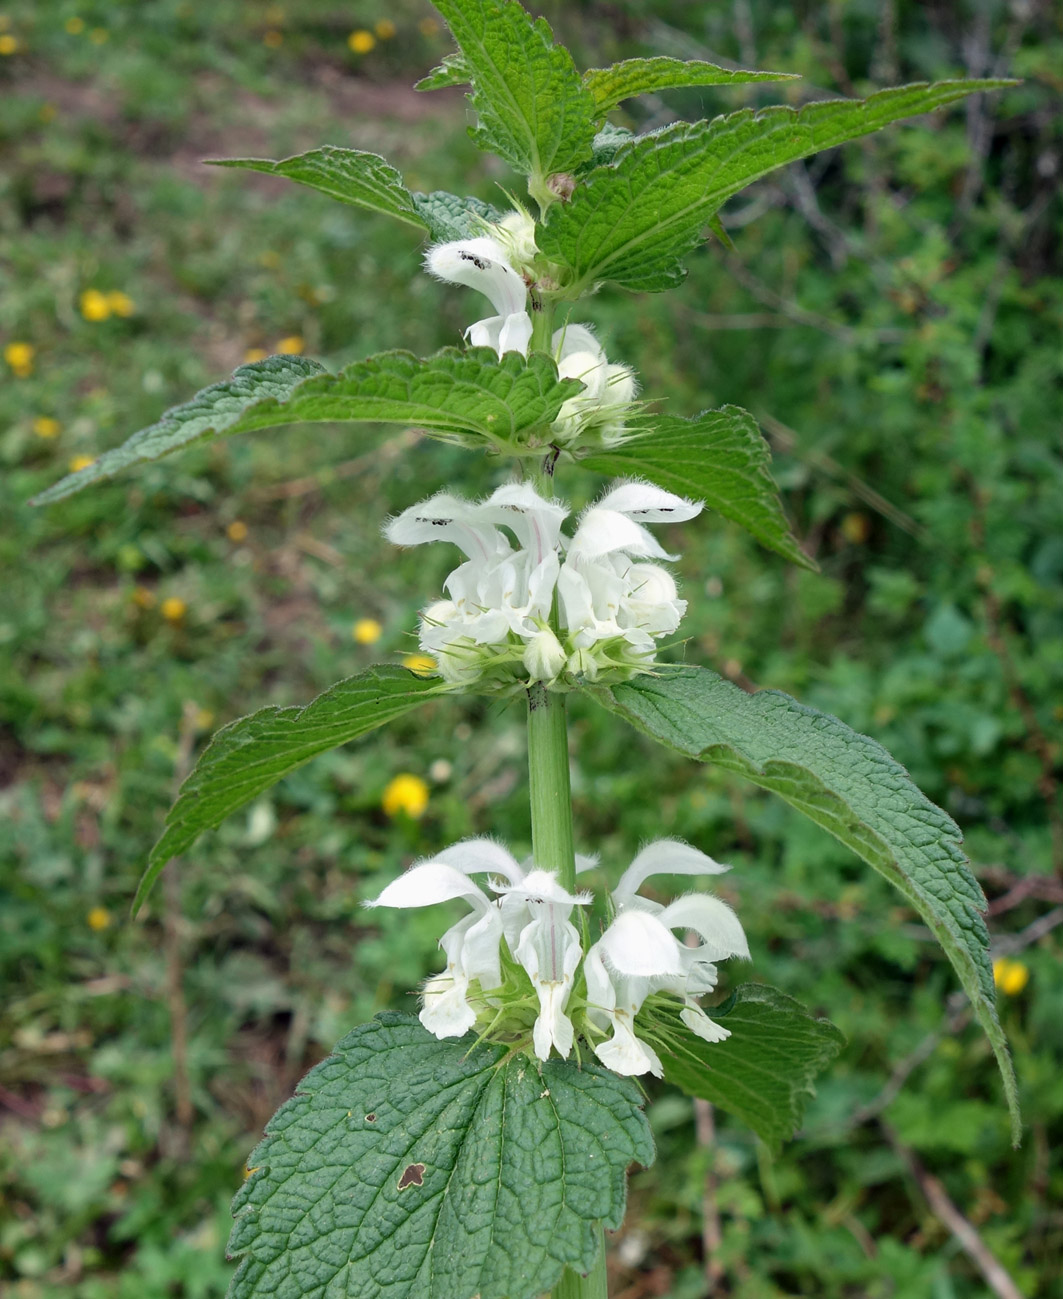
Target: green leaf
(632, 221)
(611, 86)
(362, 179)
(467, 396)
(532, 106)
(251, 754)
(449, 217)
(762, 1073)
(453, 71)
(718, 457)
(848, 784)
(419, 1169)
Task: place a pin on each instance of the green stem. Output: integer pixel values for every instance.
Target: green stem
(551, 794)
(592, 1286)
(542, 318)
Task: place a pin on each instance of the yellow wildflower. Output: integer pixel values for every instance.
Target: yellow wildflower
(19, 357)
(856, 528)
(385, 29)
(361, 41)
(237, 530)
(142, 597)
(366, 631)
(419, 663)
(428, 26)
(8, 44)
(406, 793)
(291, 346)
(95, 305)
(99, 918)
(1010, 976)
(75, 25)
(77, 463)
(255, 354)
(173, 608)
(270, 258)
(99, 36)
(46, 427)
(121, 303)
(273, 38)
(204, 719)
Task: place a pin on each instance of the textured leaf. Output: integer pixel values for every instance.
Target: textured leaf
(467, 395)
(718, 457)
(250, 755)
(846, 783)
(532, 106)
(412, 1168)
(610, 86)
(633, 220)
(361, 179)
(762, 1073)
(453, 71)
(608, 142)
(449, 217)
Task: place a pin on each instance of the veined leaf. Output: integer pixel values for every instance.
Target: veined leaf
(362, 179)
(532, 105)
(848, 784)
(449, 217)
(633, 220)
(611, 86)
(419, 1169)
(251, 754)
(762, 1073)
(468, 396)
(719, 457)
(453, 71)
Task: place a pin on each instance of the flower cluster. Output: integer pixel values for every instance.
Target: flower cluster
(501, 264)
(498, 627)
(513, 964)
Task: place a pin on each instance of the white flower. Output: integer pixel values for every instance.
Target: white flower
(535, 917)
(532, 917)
(639, 954)
(472, 945)
(603, 591)
(612, 605)
(607, 392)
(484, 264)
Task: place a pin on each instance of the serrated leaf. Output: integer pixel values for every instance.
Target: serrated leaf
(449, 217)
(251, 754)
(848, 784)
(533, 108)
(362, 179)
(419, 1169)
(634, 220)
(467, 395)
(608, 142)
(611, 86)
(719, 457)
(762, 1073)
(453, 71)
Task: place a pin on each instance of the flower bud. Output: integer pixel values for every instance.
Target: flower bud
(544, 657)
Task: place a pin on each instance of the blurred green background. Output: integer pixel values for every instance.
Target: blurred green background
(892, 314)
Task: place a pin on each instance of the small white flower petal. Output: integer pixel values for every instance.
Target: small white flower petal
(575, 338)
(428, 883)
(475, 856)
(627, 1054)
(604, 531)
(638, 944)
(480, 264)
(445, 1012)
(515, 334)
(646, 503)
(664, 857)
(720, 929)
(707, 1029)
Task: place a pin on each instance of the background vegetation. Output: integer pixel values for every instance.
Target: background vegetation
(892, 313)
